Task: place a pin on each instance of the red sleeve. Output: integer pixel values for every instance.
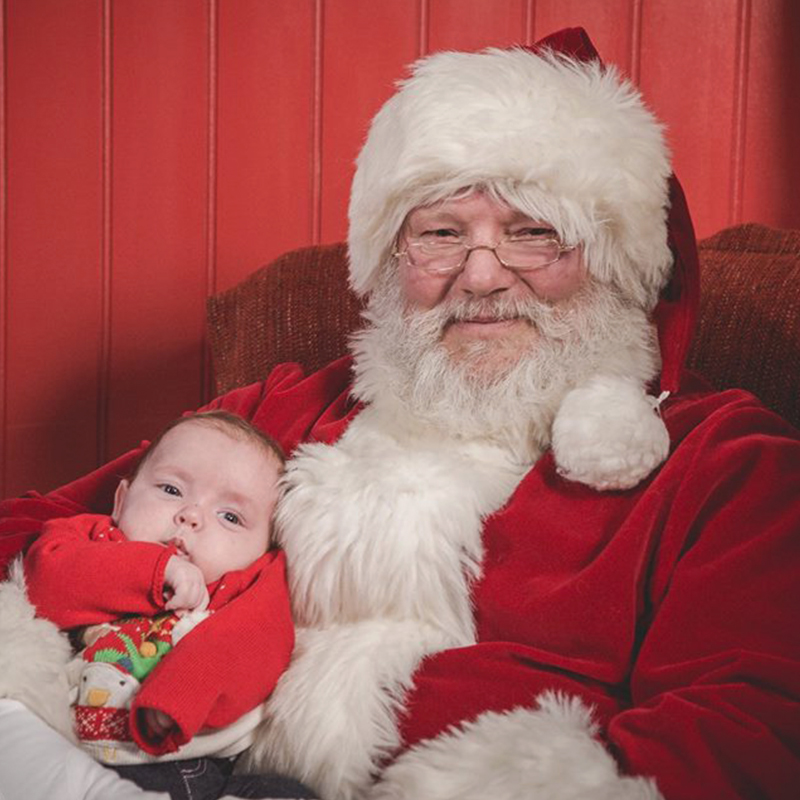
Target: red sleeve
(22, 518)
(715, 690)
(294, 408)
(226, 666)
(82, 571)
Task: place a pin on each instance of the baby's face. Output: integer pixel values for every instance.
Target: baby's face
(205, 491)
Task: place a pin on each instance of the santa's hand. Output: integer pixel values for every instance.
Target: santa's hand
(187, 584)
(156, 724)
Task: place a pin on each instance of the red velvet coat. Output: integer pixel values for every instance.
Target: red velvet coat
(671, 607)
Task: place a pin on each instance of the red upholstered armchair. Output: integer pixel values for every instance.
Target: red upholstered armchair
(299, 308)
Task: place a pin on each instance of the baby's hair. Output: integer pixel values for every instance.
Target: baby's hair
(227, 422)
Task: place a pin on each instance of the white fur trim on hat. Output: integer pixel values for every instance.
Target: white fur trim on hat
(565, 141)
(547, 752)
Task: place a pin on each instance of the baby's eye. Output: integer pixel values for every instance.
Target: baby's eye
(232, 517)
(168, 488)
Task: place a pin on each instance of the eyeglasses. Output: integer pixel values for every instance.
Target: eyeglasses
(440, 256)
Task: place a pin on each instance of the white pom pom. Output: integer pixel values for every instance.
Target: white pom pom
(608, 434)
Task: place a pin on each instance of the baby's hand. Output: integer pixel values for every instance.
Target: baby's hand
(156, 724)
(187, 584)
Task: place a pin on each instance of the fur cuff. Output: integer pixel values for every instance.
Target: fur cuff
(33, 656)
(330, 722)
(549, 752)
(608, 434)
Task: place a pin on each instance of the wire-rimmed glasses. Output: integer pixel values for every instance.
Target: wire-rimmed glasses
(520, 253)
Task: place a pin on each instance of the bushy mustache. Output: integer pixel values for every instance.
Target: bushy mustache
(537, 312)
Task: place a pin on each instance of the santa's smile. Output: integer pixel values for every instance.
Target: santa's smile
(484, 327)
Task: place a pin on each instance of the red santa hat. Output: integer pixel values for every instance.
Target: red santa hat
(569, 140)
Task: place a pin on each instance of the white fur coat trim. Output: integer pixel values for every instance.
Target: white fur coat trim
(382, 533)
(387, 523)
(544, 753)
(33, 656)
(331, 720)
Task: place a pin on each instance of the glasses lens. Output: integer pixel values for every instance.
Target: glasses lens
(528, 254)
(436, 256)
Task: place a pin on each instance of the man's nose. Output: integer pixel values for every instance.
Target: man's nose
(190, 516)
(483, 274)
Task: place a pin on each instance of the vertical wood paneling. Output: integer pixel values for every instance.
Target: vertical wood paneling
(212, 201)
(740, 108)
(365, 47)
(475, 24)
(610, 25)
(316, 123)
(264, 132)
(153, 152)
(159, 206)
(3, 254)
(104, 342)
(688, 74)
(53, 142)
(770, 162)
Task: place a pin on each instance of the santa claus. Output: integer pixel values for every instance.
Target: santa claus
(501, 592)
(529, 556)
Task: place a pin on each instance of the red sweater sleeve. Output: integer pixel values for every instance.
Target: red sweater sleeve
(227, 665)
(82, 571)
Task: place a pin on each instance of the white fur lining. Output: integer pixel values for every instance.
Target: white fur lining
(33, 656)
(549, 752)
(382, 533)
(331, 719)
(387, 523)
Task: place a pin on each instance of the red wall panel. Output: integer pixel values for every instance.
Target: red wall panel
(154, 152)
(54, 199)
(769, 164)
(689, 75)
(364, 46)
(160, 158)
(265, 123)
(475, 24)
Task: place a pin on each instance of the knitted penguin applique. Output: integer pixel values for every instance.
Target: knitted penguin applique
(118, 658)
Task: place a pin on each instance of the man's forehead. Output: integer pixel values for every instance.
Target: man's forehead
(475, 203)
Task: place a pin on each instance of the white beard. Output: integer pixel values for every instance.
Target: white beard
(491, 391)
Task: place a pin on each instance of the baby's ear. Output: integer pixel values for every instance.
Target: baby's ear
(119, 499)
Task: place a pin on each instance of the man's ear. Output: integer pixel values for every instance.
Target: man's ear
(119, 498)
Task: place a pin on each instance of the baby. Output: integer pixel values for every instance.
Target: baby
(189, 532)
